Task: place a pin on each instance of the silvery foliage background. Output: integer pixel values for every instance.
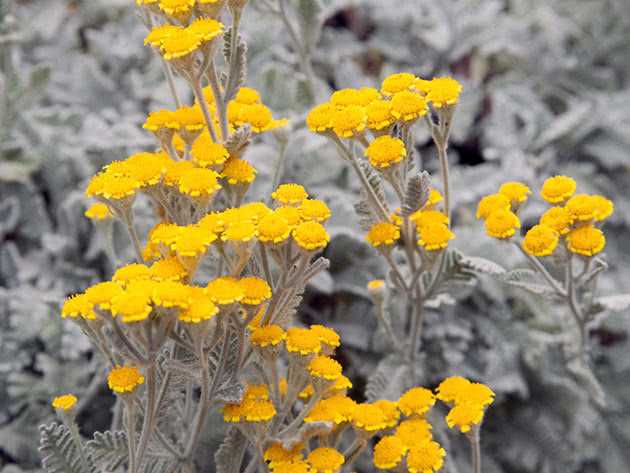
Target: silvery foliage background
(546, 91)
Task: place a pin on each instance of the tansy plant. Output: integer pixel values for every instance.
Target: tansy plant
(201, 321)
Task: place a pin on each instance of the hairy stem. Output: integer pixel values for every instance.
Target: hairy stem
(198, 92)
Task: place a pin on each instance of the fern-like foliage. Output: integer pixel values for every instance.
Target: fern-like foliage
(239, 74)
(107, 451)
(417, 193)
(58, 451)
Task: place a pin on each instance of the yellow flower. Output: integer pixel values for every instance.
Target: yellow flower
(324, 367)
(256, 392)
(516, 192)
(385, 151)
(586, 240)
(259, 117)
(268, 335)
(383, 233)
(348, 122)
(176, 7)
(175, 170)
(557, 218)
(314, 210)
(205, 29)
(200, 308)
(326, 335)
(124, 379)
(367, 95)
(434, 236)
(273, 228)
(443, 91)
(212, 222)
(131, 306)
(159, 33)
(604, 207)
(98, 211)
(428, 217)
(168, 269)
(190, 119)
(582, 207)
(425, 457)
(413, 431)
(558, 189)
(464, 415)
(247, 96)
(255, 290)
(311, 236)
(180, 45)
(147, 168)
(242, 231)
(290, 194)
(239, 171)
(112, 187)
(290, 214)
(490, 203)
(453, 389)
(434, 198)
(198, 182)
(170, 294)
(369, 417)
(205, 152)
(379, 115)
(254, 211)
(375, 284)
(335, 409)
(306, 393)
(193, 241)
(502, 224)
(102, 294)
(232, 412)
(416, 401)
(540, 240)
(302, 341)
(161, 120)
(225, 290)
(391, 411)
(325, 460)
(479, 393)
(341, 385)
(276, 454)
(64, 402)
(345, 98)
(408, 106)
(389, 452)
(318, 119)
(295, 466)
(130, 272)
(78, 305)
(398, 82)
(258, 410)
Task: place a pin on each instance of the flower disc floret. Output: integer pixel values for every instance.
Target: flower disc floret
(129, 272)
(557, 189)
(369, 417)
(426, 457)
(326, 335)
(349, 121)
(205, 29)
(302, 341)
(131, 306)
(516, 192)
(240, 231)
(391, 411)
(582, 208)
(490, 203)
(453, 389)
(398, 82)
(603, 207)
(255, 290)
(443, 91)
(557, 218)
(276, 454)
(385, 151)
(180, 45)
(408, 106)
(540, 240)
(98, 211)
(78, 305)
(427, 217)
(273, 228)
(199, 309)
(193, 241)
(267, 335)
(324, 367)
(198, 182)
(318, 119)
(290, 194)
(325, 460)
(170, 294)
(434, 236)
(464, 415)
(314, 210)
(205, 152)
(168, 269)
(379, 115)
(159, 33)
(311, 236)
(413, 431)
(389, 452)
(258, 410)
(502, 224)
(383, 234)
(336, 409)
(225, 290)
(416, 401)
(124, 379)
(586, 240)
(238, 171)
(102, 294)
(65, 402)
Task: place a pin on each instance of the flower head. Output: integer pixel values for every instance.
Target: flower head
(558, 189)
(324, 367)
(205, 152)
(198, 182)
(603, 207)
(78, 305)
(345, 97)
(389, 452)
(311, 236)
(314, 210)
(240, 231)
(398, 82)
(168, 269)
(391, 411)
(132, 305)
(102, 294)
(443, 91)
(302, 341)
(490, 203)
(295, 466)
(425, 457)
(586, 240)
(124, 379)
(413, 431)
(247, 96)
(349, 121)
(318, 119)
(238, 171)
(453, 389)
(336, 409)
(426, 217)
(257, 410)
(205, 29)
(464, 415)
(64, 402)
(176, 7)
(255, 290)
(291, 214)
(434, 236)
(379, 115)
(273, 228)
(385, 151)
(516, 192)
(179, 45)
(557, 218)
(416, 401)
(502, 224)
(369, 417)
(326, 335)
(582, 208)
(225, 290)
(193, 241)
(199, 309)
(267, 335)
(408, 106)
(325, 460)
(383, 234)
(276, 454)
(159, 33)
(290, 194)
(540, 240)
(130, 272)
(171, 294)
(98, 211)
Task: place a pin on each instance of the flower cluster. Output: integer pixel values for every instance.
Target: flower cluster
(574, 219)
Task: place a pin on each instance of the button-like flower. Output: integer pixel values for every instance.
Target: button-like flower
(311, 236)
(540, 240)
(383, 234)
(385, 151)
(558, 189)
(516, 192)
(586, 240)
(502, 224)
(490, 203)
(325, 460)
(425, 457)
(434, 236)
(443, 91)
(416, 401)
(124, 379)
(324, 367)
(389, 452)
(65, 402)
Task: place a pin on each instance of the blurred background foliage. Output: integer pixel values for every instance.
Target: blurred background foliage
(546, 90)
